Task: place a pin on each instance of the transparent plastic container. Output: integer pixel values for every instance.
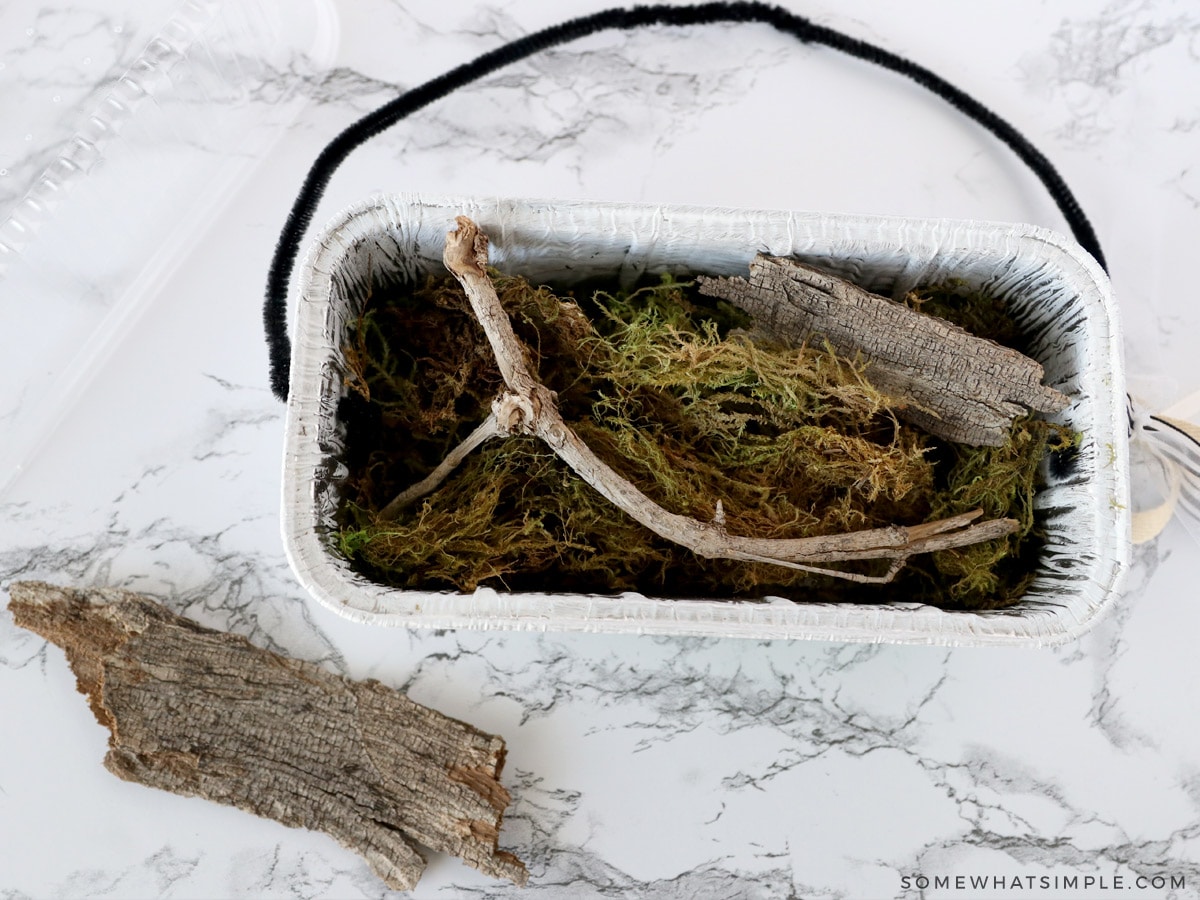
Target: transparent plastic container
(148, 171)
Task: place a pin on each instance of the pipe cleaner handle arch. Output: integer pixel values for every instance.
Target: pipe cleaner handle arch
(804, 30)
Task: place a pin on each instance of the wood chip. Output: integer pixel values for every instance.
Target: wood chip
(203, 713)
(954, 385)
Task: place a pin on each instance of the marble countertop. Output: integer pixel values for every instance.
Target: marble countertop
(648, 767)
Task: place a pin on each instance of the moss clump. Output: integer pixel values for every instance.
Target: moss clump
(667, 389)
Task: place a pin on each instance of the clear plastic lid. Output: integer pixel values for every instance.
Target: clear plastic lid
(96, 237)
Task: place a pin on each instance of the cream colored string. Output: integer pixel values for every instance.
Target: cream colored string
(1172, 438)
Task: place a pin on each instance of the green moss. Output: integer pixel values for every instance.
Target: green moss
(669, 390)
(1001, 481)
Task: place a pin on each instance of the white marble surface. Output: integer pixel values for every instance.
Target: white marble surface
(669, 768)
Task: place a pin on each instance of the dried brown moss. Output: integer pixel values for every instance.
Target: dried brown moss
(668, 390)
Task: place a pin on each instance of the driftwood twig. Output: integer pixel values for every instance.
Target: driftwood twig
(529, 407)
(954, 385)
(208, 714)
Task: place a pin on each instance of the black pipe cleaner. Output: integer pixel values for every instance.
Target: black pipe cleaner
(298, 220)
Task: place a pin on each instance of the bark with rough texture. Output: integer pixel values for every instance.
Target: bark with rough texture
(203, 713)
(954, 385)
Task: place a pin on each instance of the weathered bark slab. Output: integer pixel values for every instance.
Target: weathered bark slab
(208, 714)
(954, 385)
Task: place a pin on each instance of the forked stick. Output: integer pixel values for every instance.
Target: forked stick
(529, 407)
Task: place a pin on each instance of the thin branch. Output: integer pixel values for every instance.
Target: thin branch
(529, 407)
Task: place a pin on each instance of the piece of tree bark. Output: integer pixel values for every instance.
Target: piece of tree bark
(207, 714)
(954, 385)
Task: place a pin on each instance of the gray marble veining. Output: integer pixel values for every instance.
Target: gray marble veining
(655, 767)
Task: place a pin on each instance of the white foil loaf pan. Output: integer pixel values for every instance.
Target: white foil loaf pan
(1058, 293)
